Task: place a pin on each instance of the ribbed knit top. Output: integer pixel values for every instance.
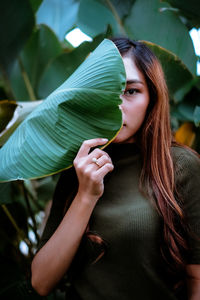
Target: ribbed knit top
(132, 267)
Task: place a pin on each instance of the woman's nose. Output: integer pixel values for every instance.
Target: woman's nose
(121, 105)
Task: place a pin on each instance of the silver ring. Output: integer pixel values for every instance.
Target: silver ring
(94, 160)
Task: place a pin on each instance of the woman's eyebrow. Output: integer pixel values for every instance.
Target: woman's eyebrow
(130, 81)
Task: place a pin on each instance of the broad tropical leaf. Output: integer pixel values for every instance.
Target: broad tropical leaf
(197, 116)
(85, 106)
(184, 111)
(122, 8)
(59, 15)
(35, 4)
(94, 17)
(176, 73)
(148, 21)
(189, 9)
(64, 65)
(40, 49)
(6, 192)
(17, 21)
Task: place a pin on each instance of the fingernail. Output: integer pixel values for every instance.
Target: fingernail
(104, 140)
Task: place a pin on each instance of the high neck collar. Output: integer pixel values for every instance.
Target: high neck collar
(119, 151)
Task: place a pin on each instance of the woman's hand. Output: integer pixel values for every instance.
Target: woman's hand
(91, 169)
(193, 281)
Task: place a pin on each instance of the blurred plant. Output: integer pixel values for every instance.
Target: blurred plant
(35, 59)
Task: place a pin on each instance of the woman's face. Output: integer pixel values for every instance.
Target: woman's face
(135, 101)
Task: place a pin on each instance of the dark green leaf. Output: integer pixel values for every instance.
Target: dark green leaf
(122, 7)
(17, 21)
(184, 111)
(63, 66)
(6, 193)
(197, 116)
(164, 28)
(35, 4)
(45, 189)
(42, 46)
(176, 73)
(94, 17)
(59, 15)
(187, 111)
(180, 93)
(189, 9)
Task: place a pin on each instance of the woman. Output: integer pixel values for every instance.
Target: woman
(130, 227)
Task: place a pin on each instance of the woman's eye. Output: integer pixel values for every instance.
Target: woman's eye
(130, 92)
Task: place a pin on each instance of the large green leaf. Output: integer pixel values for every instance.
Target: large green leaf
(83, 107)
(147, 21)
(176, 73)
(40, 49)
(59, 15)
(189, 9)
(35, 4)
(17, 21)
(122, 8)
(197, 115)
(94, 17)
(60, 68)
(6, 193)
(185, 110)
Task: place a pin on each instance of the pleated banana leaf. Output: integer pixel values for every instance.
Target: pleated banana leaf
(85, 106)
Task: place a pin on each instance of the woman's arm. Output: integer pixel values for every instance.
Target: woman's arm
(54, 258)
(193, 282)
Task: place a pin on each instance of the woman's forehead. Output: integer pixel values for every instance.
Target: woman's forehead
(133, 74)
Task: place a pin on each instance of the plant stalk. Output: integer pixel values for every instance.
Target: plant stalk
(31, 214)
(19, 231)
(27, 81)
(117, 18)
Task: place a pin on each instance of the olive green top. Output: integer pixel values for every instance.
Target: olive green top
(132, 267)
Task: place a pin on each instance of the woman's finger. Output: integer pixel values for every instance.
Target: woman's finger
(105, 169)
(88, 144)
(102, 160)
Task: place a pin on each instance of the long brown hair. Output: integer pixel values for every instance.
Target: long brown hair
(155, 141)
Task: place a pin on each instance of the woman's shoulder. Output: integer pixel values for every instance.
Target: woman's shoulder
(184, 154)
(186, 161)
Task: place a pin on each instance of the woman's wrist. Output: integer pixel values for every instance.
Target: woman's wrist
(87, 199)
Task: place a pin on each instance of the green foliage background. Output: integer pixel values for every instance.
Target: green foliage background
(35, 59)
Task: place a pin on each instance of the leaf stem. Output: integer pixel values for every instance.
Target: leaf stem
(112, 8)
(31, 213)
(27, 81)
(12, 220)
(19, 231)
